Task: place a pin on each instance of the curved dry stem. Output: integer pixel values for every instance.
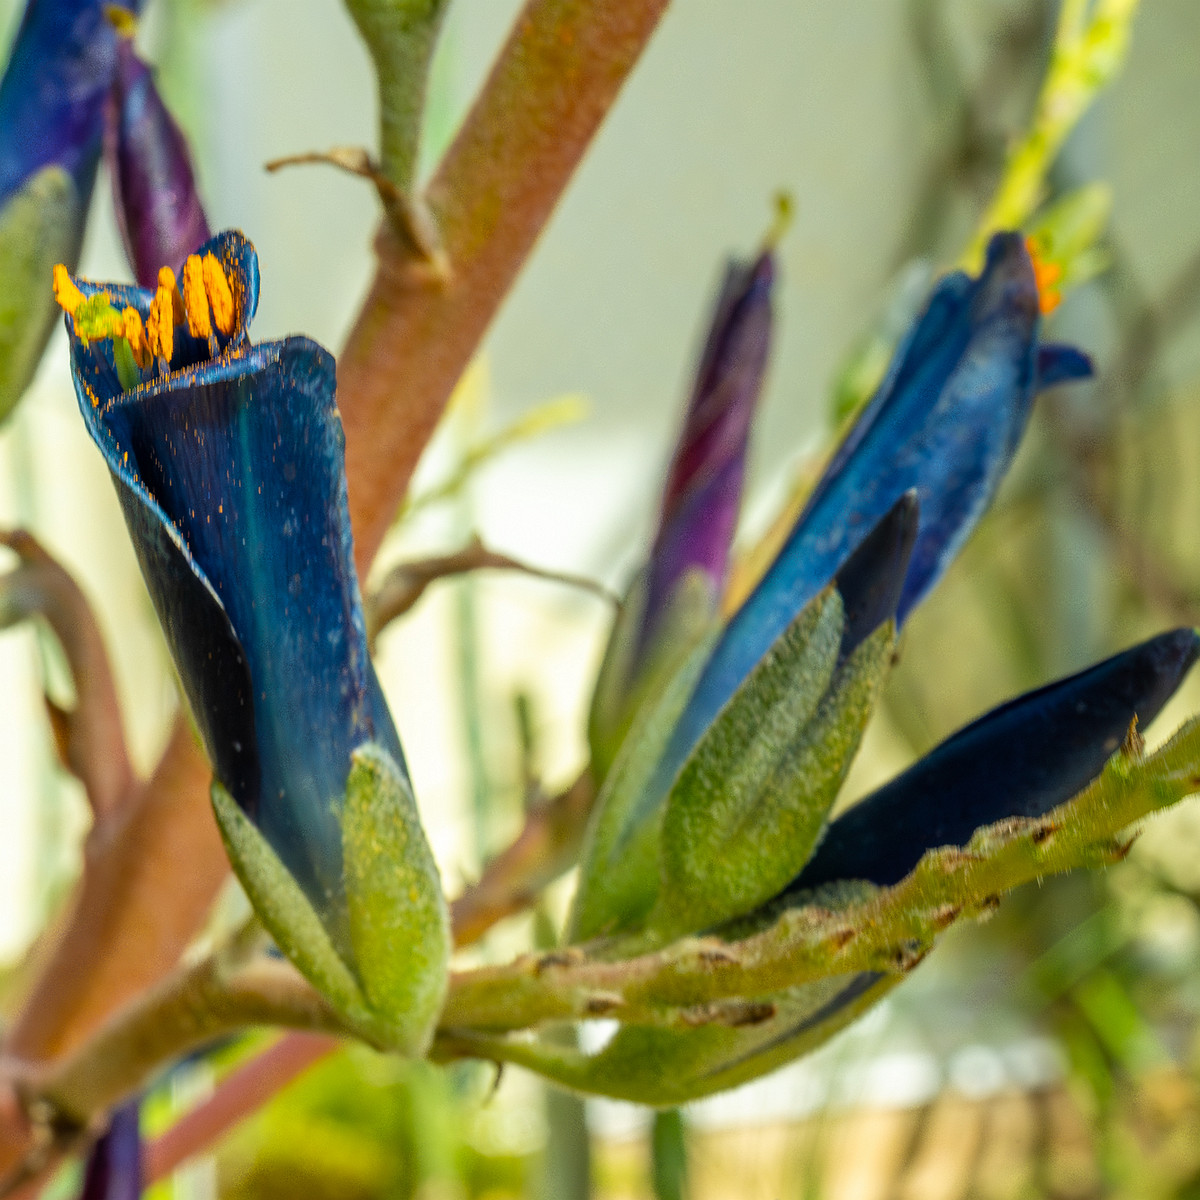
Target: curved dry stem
(90, 736)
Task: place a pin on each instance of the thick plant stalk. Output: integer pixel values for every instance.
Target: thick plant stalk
(554, 82)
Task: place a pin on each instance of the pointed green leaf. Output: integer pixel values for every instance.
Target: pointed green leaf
(284, 909)
(618, 877)
(39, 226)
(398, 920)
(753, 797)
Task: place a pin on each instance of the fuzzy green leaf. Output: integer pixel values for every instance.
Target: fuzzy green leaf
(751, 801)
(399, 925)
(618, 877)
(39, 226)
(284, 909)
(633, 677)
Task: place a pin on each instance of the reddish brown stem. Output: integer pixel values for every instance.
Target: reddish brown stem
(557, 76)
(150, 872)
(543, 850)
(91, 739)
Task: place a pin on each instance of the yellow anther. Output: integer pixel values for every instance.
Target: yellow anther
(220, 294)
(195, 298)
(160, 323)
(69, 297)
(96, 319)
(166, 284)
(1045, 275)
(121, 19)
(135, 335)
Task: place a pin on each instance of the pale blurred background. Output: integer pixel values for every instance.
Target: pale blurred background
(886, 121)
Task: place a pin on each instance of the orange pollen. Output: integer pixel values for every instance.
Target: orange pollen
(69, 297)
(1045, 274)
(135, 335)
(220, 294)
(195, 298)
(160, 323)
(166, 284)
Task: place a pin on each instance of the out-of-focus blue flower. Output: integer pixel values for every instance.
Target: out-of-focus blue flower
(154, 188)
(227, 458)
(114, 1166)
(946, 422)
(53, 92)
(52, 100)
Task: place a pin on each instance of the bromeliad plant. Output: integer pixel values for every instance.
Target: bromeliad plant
(727, 917)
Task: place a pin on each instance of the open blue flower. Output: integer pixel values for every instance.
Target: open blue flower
(227, 458)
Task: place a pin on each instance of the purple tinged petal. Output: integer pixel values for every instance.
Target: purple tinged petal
(158, 209)
(703, 491)
(114, 1166)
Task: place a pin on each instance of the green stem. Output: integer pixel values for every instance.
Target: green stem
(186, 1011)
(401, 36)
(714, 979)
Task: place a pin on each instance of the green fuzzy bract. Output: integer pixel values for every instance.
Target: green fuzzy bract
(398, 921)
(398, 924)
(39, 227)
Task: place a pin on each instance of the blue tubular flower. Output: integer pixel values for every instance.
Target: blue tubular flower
(114, 1166)
(946, 421)
(157, 206)
(52, 101)
(53, 92)
(227, 458)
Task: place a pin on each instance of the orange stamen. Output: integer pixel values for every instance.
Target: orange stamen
(1046, 275)
(69, 297)
(195, 298)
(160, 321)
(166, 283)
(220, 294)
(135, 335)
